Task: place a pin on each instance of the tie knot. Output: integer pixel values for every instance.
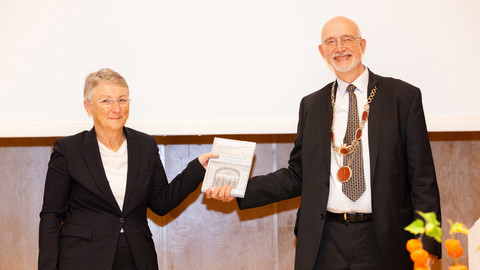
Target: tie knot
(351, 87)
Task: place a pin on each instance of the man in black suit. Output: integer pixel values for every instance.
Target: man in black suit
(362, 170)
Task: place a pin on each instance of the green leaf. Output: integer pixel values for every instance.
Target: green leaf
(429, 217)
(457, 227)
(435, 233)
(416, 227)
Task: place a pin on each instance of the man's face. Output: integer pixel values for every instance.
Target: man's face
(342, 47)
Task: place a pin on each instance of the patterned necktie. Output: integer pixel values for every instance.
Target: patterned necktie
(355, 187)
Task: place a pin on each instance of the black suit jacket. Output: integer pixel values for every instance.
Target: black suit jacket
(80, 218)
(402, 171)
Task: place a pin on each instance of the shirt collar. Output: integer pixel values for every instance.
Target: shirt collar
(361, 83)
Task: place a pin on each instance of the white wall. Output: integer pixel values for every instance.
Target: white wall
(224, 67)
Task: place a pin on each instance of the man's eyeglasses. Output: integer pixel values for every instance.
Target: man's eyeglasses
(109, 102)
(345, 41)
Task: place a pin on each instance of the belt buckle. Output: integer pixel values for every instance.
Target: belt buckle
(345, 217)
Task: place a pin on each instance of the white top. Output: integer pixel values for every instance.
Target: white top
(116, 166)
(338, 202)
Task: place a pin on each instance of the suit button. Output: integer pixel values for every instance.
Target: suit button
(122, 221)
(322, 216)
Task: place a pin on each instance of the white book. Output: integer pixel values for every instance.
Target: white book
(232, 167)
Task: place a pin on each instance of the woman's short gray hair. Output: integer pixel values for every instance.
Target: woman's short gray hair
(102, 75)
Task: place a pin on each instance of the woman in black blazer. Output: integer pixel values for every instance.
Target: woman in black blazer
(99, 184)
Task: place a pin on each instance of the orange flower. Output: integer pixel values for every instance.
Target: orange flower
(454, 249)
(419, 256)
(458, 267)
(414, 244)
(420, 266)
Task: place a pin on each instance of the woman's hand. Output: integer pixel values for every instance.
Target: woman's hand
(204, 158)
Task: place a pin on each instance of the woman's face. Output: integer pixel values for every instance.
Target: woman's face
(109, 107)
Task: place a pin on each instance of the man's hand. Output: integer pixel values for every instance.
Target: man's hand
(220, 193)
(431, 260)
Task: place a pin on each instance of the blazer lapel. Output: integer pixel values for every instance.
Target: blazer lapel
(91, 154)
(134, 161)
(326, 128)
(374, 123)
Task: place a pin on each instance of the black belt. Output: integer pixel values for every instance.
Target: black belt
(351, 217)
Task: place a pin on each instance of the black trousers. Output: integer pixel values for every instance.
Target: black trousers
(349, 246)
(123, 256)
